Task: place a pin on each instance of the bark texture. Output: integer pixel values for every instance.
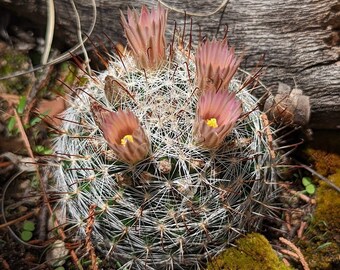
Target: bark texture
(300, 38)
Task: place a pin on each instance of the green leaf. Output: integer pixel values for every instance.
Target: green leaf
(306, 181)
(28, 226)
(21, 105)
(39, 149)
(11, 124)
(26, 235)
(48, 151)
(35, 121)
(310, 189)
(60, 268)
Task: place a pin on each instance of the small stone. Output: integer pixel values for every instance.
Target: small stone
(56, 255)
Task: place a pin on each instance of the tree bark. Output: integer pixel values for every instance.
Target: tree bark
(300, 38)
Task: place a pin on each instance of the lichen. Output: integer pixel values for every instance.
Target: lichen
(251, 252)
(321, 242)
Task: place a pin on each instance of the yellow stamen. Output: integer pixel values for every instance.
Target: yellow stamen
(212, 122)
(125, 139)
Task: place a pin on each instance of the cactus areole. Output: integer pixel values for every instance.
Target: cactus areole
(170, 148)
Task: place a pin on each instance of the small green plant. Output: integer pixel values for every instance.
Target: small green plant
(27, 232)
(11, 127)
(309, 186)
(43, 150)
(21, 105)
(11, 124)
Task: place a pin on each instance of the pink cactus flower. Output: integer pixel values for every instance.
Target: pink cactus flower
(216, 64)
(145, 34)
(123, 133)
(216, 115)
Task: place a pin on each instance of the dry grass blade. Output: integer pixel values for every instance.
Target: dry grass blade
(49, 31)
(328, 182)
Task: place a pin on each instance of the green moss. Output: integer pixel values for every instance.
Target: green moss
(324, 163)
(13, 61)
(321, 242)
(252, 252)
(328, 203)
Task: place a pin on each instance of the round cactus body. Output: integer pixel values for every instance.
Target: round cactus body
(176, 165)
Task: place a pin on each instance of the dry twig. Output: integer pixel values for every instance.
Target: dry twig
(269, 134)
(302, 196)
(24, 217)
(326, 180)
(290, 254)
(298, 194)
(286, 262)
(288, 220)
(88, 243)
(297, 252)
(303, 225)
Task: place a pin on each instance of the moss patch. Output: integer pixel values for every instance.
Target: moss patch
(252, 252)
(325, 163)
(321, 243)
(328, 203)
(12, 61)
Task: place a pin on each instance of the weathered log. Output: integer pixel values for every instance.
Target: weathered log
(300, 38)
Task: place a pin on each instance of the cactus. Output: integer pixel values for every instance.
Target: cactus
(178, 163)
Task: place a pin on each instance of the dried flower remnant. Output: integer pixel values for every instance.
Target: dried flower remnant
(123, 133)
(216, 115)
(145, 34)
(113, 91)
(288, 107)
(216, 64)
